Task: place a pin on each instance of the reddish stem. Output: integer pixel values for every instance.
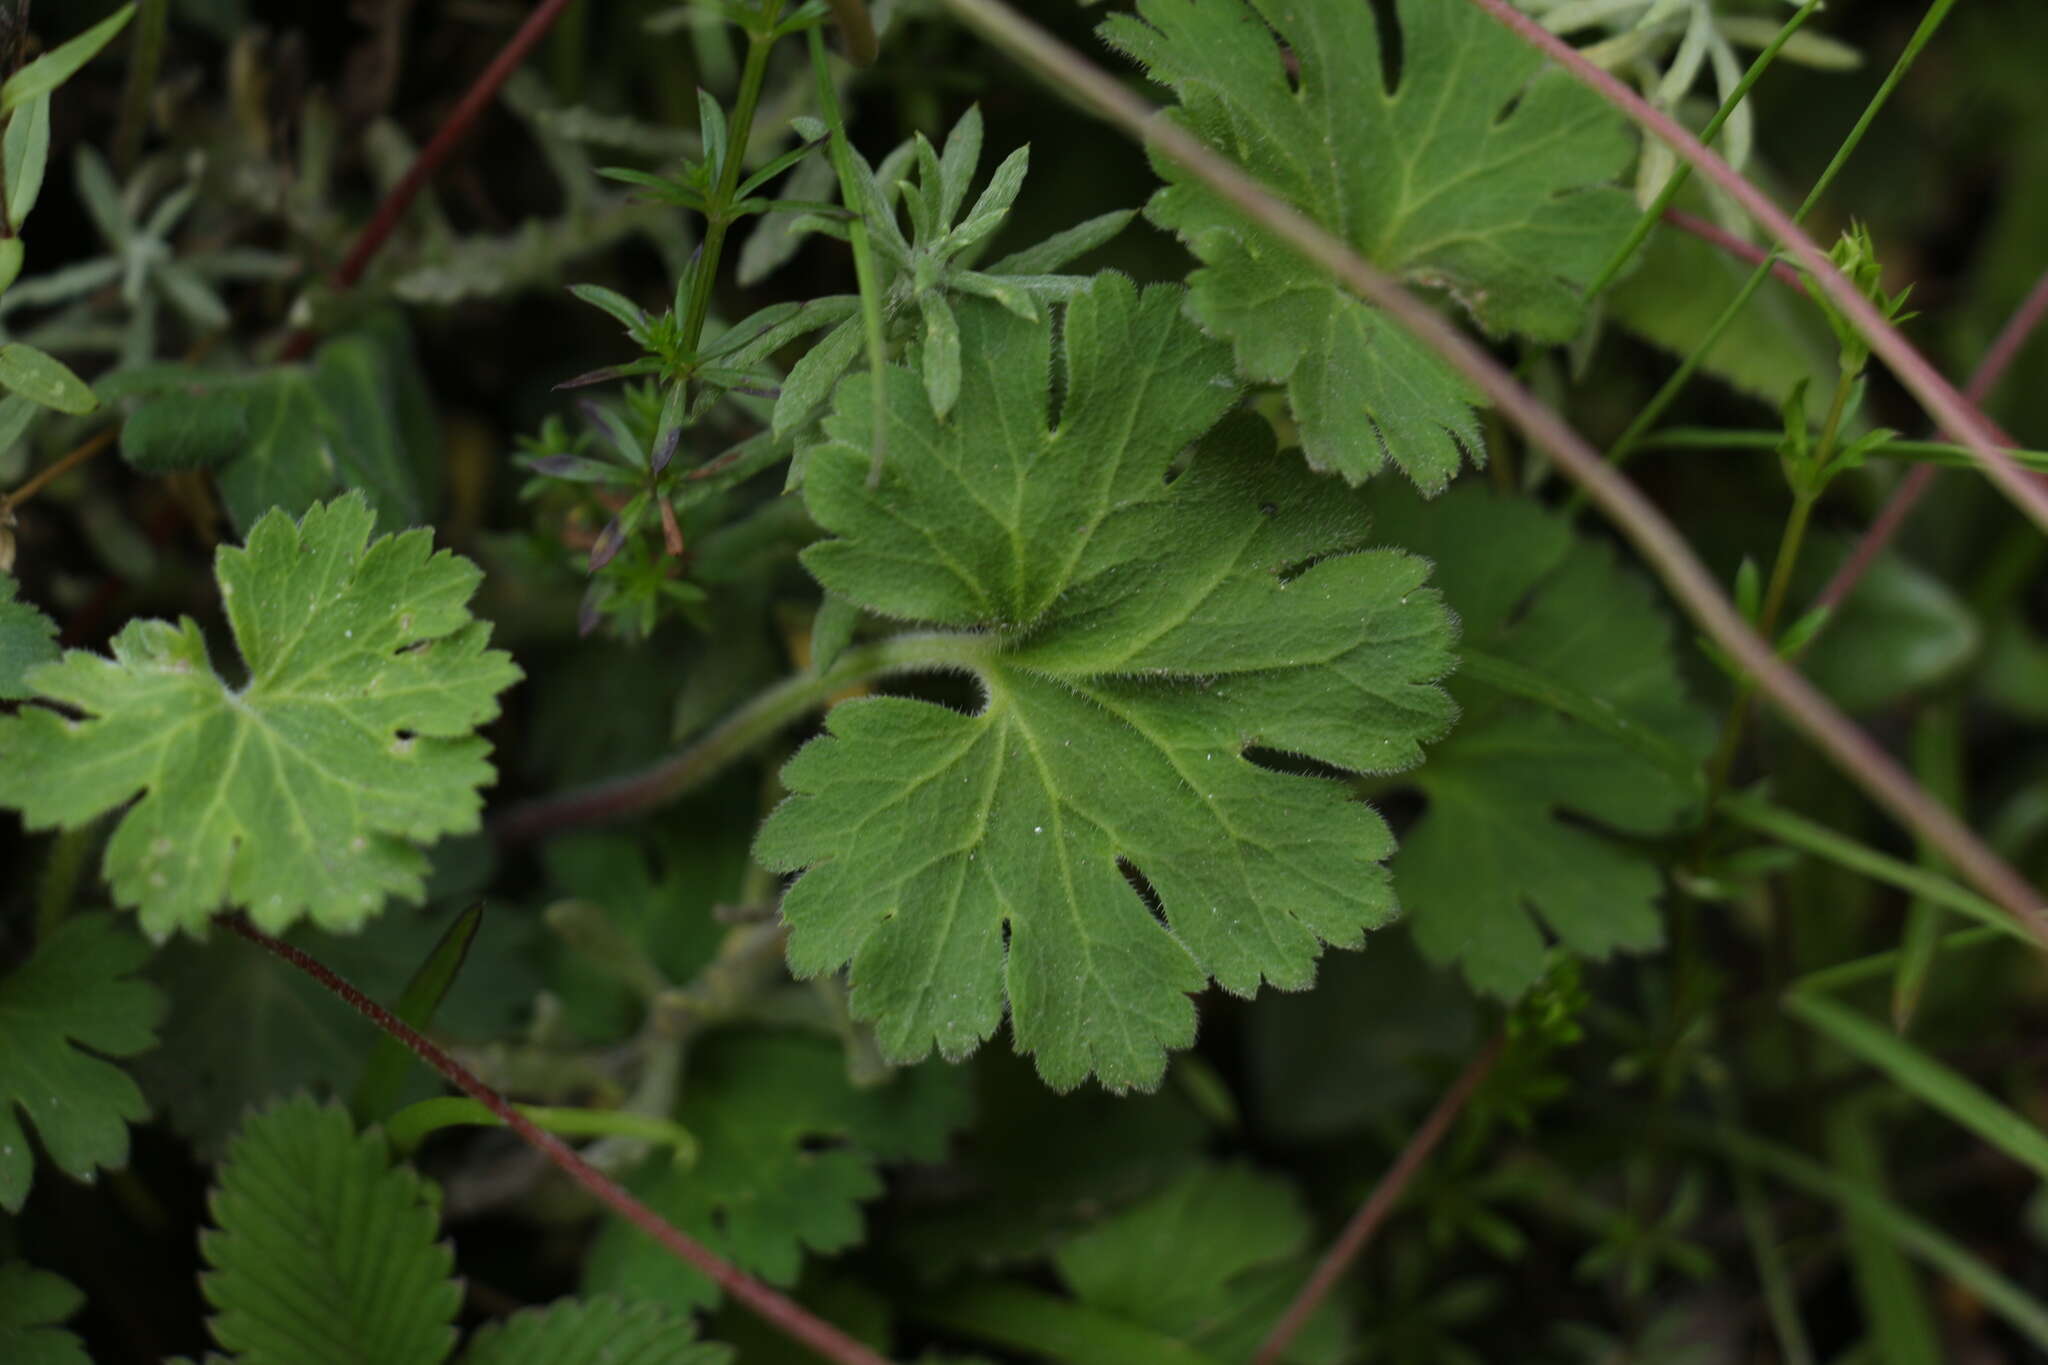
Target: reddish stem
(780, 1312)
(1716, 235)
(446, 138)
(2004, 349)
(1378, 1205)
(1950, 410)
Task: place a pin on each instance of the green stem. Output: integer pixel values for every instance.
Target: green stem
(1951, 1259)
(569, 50)
(145, 58)
(718, 212)
(1938, 763)
(1796, 831)
(1942, 453)
(1655, 213)
(412, 1125)
(1781, 1300)
(1807, 483)
(760, 718)
(1723, 763)
(61, 873)
(1626, 444)
(863, 260)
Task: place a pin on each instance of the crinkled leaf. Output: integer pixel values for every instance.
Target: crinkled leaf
(1504, 840)
(594, 1332)
(787, 1154)
(179, 431)
(72, 1000)
(32, 1303)
(1474, 173)
(1212, 1260)
(323, 1252)
(305, 790)
(1134, 639)
(27, 638)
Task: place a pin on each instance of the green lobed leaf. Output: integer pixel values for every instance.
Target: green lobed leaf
(1503, 841)
(1211, 1260)
(287, 460)
(324, 1253)
(75, 994)
(357, 418)
(305, 790)
(27, 638)
(787, 1154)
(594, 1332)
(32, 1303)
(1134, 639)
(1476, 173)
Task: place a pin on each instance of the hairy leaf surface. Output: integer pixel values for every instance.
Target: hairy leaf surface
(787, 1149)
(304, 790)
(325, 1253)
(27, 638)
(75, 994)
(1134, 638)
(1472, 173)
(1503, 844)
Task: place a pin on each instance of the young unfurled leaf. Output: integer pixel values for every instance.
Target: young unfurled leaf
(787, 1154)
(1133, 638)
(1496, 849)
(27, 638)
(325, 1254)
(74, 994)
(303, 790)
(1473, 173)
(938, 259)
